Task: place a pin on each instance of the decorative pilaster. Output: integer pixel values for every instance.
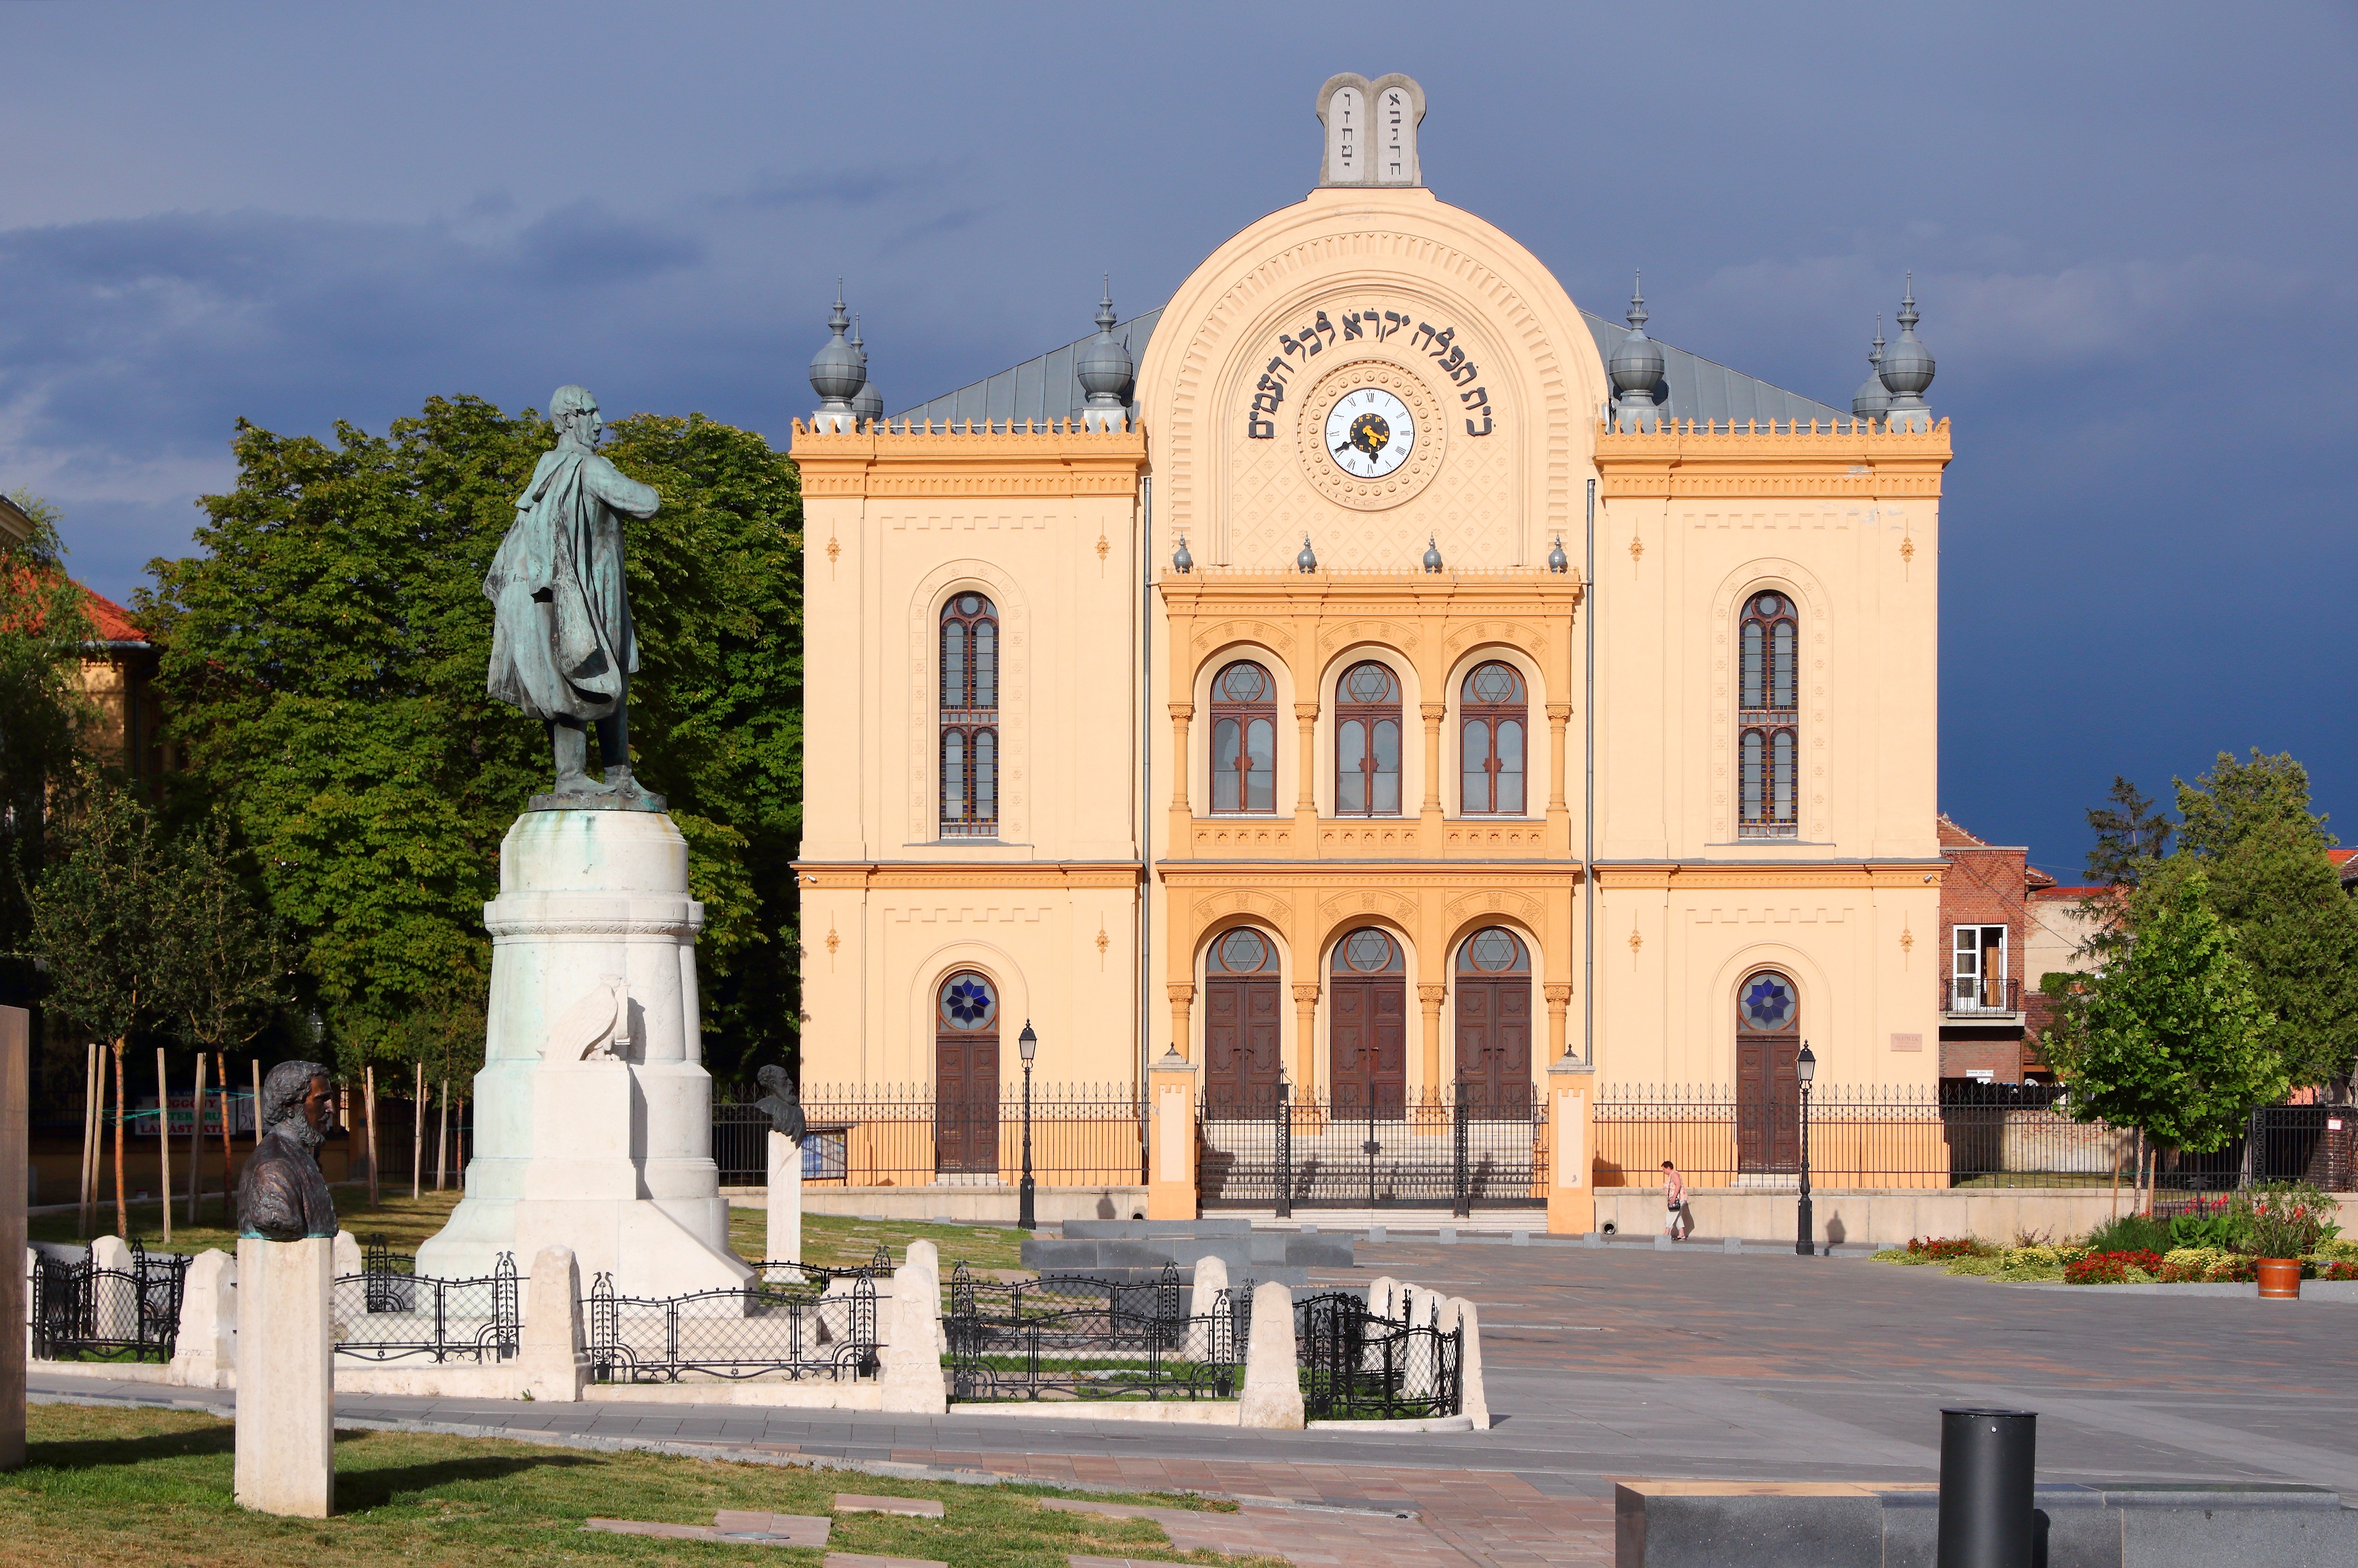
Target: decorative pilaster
(1429, 996)
(1559, 1003)
(1170, 1167)
(1430, 817)
(1306, 1038)
(1182, 846)
(1305, 800)
(1571, 1111)
(1183, 998)
(1559, 815)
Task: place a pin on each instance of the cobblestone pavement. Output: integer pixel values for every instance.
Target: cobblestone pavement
(1622, 1362)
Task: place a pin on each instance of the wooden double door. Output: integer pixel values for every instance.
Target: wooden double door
(1494, 1045)
(1241, 1017)
(1367, 1045)
(965, 1104)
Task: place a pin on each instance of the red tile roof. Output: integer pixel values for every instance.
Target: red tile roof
(112, 621)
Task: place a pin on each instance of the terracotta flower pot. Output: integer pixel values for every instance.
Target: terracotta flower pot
(2279, 1279)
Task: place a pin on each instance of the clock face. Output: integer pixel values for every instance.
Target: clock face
(1369, 433)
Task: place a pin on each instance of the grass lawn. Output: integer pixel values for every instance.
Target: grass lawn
(404, 1223)
(107, 1486)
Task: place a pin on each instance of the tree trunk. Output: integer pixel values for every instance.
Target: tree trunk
(163, 1145)
(229, 1173)
(197, 1141)
(93, 1091)
(442, 1141)
(418, 1133)
(122, 1205)
(368, 1106)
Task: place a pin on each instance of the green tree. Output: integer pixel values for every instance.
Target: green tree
(2132, 838)
(2263, 856)
(2171, 1037)
(221, 962)
(44, 722)
(324, 667)
(97, 923)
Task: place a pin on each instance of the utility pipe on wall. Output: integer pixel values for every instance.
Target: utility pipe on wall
(1588, 797)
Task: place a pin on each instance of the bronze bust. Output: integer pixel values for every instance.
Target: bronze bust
(783, 1102)
(282, 1197)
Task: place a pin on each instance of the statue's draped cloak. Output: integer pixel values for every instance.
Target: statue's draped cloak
(281, 1195)
(562, 644)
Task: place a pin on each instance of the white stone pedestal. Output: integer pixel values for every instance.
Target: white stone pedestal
(286, 1377)
(593, 1113)
(786, 1243)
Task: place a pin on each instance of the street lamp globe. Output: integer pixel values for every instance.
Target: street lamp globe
(1027, 1043)
(1806, 1066)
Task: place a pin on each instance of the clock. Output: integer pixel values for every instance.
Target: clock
(1369, 433)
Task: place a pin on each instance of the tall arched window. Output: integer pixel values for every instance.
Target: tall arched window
(969, 748)
(1492, 724)
(1768, 719)
(1244, 740)
(1368, 743)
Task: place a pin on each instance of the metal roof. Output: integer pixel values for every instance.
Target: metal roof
(1693, 387)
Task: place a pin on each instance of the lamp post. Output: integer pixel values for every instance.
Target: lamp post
(1805, 1068)
(1027, 1044)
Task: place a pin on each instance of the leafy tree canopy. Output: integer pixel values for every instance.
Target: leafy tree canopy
(324, 671)
(2172, 1036)
(2263, 857)
(44, 721)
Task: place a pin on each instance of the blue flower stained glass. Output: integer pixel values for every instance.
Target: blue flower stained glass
(968, 1002)
(1768, 1002)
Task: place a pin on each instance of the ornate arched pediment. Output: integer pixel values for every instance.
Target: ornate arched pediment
(1514, 634)
(1398, 634)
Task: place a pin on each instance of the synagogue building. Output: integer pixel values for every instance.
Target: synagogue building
(1372, 673)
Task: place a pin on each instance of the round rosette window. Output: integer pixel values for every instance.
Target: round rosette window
(1767, 1003)
(968, 1003)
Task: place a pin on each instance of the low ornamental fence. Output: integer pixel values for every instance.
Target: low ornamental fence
(1286, 1151)
(791, 1320)
(81, 1311)
(1077, 1339)
(887, 1135)
(1971, 1134)
(1360, 1365)
(388, 1313)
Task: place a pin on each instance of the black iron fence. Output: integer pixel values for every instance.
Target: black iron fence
(1980, 993)
(916, 1135)
(1965, 1134)
(1289, 1152)
(790, 1320)
(1092, 1339)
(387, 1313)
(81, 1311)
(1362, 1365)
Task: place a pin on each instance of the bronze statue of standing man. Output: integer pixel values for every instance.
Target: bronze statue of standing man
(562, 644)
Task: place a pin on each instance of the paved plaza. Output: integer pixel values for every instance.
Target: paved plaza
(1613, 1363)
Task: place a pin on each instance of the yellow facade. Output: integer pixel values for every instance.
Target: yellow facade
(1111, 874)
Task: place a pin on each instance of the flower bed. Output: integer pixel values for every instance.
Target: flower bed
(2114, 1268)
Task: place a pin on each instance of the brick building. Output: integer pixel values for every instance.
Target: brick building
(1990, 1010)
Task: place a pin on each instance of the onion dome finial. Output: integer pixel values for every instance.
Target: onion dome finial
(1105, 369)
(1307, 561)
(837, 371)
(1906, 370)
(1872, 400)
(1636, 368)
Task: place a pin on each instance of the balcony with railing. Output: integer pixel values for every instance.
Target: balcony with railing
(1979, 996)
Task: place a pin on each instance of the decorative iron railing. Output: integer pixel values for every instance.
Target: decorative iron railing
(386, 1314)
(1359, 1365)
(790, 1320)
(79, 1311)
(1980, 993)
(1480, 1149)
(1092, 1339)
(913, 1135)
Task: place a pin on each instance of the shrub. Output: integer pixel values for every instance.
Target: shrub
(2337, 1271)
(2205, 1265)
(2114, 1267)
(1940, 1250)
(2132, 1233)
(2288, 1219)
(2221, 1225)
(2343, 1251)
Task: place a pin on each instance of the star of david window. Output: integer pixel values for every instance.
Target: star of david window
(1766, 1004)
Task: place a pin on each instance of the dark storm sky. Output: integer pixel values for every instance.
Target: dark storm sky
(2131, 229)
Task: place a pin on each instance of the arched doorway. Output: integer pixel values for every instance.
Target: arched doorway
(966, 1076)
(1767, 1083)
(1241, 1014)
(1366, 1027)
(1494, 1023)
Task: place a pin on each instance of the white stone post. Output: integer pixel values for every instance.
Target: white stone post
(554, 1362)
(348, 1258)
(1211, 1279)
(1273, 1382)
(204, 1354)
(114, 1303)
(1473, 1400)
(925, 1255)
(286, 1377)
(785, 1239)
(912, 1356)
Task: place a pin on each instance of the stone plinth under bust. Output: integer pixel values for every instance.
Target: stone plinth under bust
(593, 1123)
